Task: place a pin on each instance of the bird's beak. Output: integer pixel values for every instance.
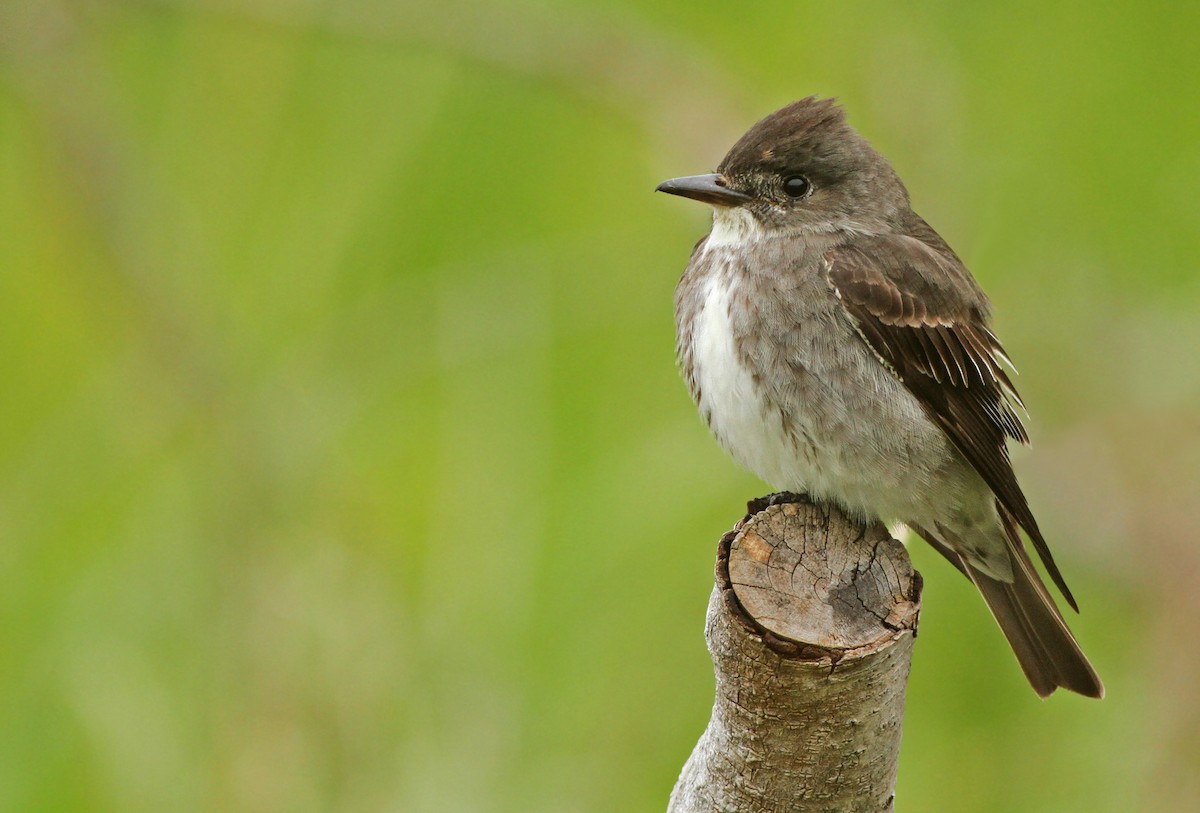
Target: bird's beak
(710, 189)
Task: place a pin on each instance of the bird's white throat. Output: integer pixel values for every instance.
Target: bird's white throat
(732, 226)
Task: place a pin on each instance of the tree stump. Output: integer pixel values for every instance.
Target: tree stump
(811, 626)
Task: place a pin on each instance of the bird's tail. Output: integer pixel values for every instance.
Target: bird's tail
(1048, 653)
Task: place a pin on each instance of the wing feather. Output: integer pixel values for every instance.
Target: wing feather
(926, 319)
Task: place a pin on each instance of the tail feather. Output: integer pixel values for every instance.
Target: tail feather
(1048, 653)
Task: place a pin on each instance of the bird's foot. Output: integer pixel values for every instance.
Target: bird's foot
(778, 498)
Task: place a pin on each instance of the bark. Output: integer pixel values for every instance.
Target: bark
(811, 626)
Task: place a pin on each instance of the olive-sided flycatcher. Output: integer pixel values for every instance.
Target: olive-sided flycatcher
(836, 346)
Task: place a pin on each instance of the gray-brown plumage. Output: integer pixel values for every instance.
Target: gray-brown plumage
(836, 345)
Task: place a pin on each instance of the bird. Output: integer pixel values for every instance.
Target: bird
(836, 346)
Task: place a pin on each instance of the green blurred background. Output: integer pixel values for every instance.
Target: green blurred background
(344, 465)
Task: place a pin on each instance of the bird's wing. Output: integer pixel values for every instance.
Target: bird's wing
(925, 319)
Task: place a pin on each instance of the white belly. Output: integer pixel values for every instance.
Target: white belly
(732, 402)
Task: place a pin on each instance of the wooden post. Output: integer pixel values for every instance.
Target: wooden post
(811, 626)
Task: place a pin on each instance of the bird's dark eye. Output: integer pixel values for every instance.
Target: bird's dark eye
(796, 186)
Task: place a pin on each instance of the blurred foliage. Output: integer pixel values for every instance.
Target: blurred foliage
(343, 461)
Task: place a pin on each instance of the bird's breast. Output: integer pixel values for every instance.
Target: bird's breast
(788, 387)
(734, 394)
